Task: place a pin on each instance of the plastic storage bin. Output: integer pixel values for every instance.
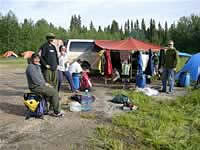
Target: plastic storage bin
(141, 80)
(184, 79)
(76, 80)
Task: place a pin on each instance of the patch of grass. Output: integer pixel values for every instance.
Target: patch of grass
(156, 125)
(13, 62)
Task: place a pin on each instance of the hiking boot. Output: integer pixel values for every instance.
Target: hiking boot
(170, 92)
(162, 91)
(60, 114)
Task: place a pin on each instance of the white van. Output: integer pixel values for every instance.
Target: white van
(82, 49)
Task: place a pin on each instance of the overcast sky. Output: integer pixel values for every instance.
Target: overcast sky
(101, 12)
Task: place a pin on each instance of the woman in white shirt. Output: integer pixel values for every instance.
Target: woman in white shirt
(63, 68)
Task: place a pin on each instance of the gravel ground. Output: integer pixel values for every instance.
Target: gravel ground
(73, 131)
(70, 132)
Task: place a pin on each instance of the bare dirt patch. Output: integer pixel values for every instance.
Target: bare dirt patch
(70, 132)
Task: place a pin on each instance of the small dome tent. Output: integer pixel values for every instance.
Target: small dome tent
(10, 54)
(192, 66)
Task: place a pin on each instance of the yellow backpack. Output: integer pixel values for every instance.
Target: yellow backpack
(32, 104)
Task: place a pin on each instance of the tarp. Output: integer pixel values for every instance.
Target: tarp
(192, 66)
(140, 64)
(129, 45)
(27, 54)
(184, 54)
(9, 54)
(149, 69)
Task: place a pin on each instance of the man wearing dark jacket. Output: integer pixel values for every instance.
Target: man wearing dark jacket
(49, 60)
(38, 85)
(169, 67)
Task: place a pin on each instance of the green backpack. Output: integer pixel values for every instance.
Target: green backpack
(120, 99)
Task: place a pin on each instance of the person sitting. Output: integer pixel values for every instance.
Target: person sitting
(85, 83)
(115, 75)
(38, 85)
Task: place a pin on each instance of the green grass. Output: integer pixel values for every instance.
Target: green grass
(156, 125)
(10, 62)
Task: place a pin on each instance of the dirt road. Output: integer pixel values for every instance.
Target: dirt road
(70, 132)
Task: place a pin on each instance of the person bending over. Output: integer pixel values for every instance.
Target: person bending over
(85, 83)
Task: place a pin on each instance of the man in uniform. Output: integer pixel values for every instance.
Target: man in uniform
(49, 61)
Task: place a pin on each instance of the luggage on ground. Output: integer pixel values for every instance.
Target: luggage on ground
(120, 99)
(36, 105)
(84, 100)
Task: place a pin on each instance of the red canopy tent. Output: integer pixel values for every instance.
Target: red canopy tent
(127, 45)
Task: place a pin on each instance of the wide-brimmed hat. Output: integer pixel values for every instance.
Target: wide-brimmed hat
(50, 36)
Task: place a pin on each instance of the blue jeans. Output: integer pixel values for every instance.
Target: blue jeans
(68, 76)
(168, 75)
(60, 78)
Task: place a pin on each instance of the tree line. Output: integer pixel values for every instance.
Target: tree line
(28, 35)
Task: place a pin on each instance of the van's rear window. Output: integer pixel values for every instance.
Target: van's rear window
(81, 46)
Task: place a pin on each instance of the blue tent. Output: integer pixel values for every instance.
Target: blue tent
(184, 54)
(192, 66)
